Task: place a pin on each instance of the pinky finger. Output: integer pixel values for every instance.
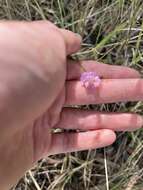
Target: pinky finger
(70, 142)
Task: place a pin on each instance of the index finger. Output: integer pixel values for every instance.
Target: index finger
(76, 68)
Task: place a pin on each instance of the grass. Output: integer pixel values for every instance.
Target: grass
(113, 33)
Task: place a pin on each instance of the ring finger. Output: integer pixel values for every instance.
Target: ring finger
(91, 120)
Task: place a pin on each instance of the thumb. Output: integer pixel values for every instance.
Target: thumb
(73, 41)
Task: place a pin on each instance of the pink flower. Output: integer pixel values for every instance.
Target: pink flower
(90, 80)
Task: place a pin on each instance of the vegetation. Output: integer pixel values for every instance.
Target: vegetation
(113, 33)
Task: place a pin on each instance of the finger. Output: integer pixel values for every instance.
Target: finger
(69, 142)
(91, 120)
(75, 69)
(36, 24)
(43, 23)
(110, 91)
(72, 40)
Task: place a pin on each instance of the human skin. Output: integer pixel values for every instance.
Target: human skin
(38, 82)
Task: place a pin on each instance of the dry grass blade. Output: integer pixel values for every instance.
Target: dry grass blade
(113, 33)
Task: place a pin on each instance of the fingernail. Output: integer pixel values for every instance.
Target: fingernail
(79, 36)
(140, 121)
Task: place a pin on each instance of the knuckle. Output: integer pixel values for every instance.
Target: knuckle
(69, 142)
(66, 143)
(97, 137)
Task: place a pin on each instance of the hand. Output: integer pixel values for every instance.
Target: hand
(37, 81)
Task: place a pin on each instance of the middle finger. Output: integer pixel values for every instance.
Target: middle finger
(110, 91)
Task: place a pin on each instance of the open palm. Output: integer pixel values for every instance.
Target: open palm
(38, 86)
(119, 84)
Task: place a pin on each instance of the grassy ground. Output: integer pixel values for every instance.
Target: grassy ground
(113, 33)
